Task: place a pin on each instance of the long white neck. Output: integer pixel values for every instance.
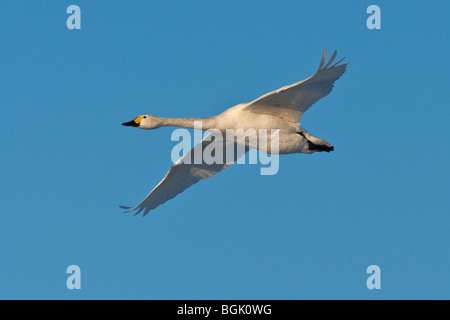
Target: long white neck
(192, 123)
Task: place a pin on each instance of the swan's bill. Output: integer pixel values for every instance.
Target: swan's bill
(133, 123)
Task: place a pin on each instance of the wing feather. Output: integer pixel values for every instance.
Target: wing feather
(185, 173)
(290, 102)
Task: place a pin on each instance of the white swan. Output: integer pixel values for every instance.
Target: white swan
(280, 109)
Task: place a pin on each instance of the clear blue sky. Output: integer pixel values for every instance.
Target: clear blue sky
(382, 197)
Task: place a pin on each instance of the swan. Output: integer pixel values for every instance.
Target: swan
(280, 109)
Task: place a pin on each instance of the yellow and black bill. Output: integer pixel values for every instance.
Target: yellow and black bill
(133, 123)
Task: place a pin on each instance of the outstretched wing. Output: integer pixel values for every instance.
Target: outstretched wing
(290, 102)
(185, 172)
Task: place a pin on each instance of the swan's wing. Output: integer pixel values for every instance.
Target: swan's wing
(291, 101)
(184, 173)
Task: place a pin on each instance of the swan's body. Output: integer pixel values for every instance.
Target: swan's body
(280, 109)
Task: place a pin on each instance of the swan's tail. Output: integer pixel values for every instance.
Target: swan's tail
(315, 144)
(320, 147)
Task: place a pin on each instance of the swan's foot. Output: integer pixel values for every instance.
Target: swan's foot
(319, 148)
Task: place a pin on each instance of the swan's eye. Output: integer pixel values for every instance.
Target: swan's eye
(145, 117)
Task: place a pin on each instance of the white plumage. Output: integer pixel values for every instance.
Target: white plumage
(280, 109)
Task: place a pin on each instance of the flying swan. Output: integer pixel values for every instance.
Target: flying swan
(280, 109)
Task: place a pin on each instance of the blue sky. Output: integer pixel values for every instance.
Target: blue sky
(308, 232)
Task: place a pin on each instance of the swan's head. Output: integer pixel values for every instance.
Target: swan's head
(145, 121)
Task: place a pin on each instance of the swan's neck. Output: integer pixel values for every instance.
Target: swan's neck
(193, 123)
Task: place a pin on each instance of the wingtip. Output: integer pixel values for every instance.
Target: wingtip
(333, 56)
(324, 58)
(338, 65)
(127, 209)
